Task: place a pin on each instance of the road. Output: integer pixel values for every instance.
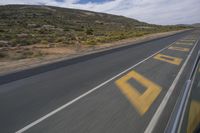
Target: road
(124, 90)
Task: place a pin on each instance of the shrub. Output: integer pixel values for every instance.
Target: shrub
(37, 54)
(91, 42)
(44, 42)
(2, 55)
(22, 42)
(89, 31)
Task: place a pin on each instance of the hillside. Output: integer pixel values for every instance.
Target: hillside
(45, 26)
(196, 25)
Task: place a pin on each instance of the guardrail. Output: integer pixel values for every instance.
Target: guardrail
(176, 123)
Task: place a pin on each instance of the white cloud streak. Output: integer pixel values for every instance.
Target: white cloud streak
(151, 11)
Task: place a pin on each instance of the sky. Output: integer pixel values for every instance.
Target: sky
(162, 12)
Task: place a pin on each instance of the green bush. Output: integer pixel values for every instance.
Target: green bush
(91, 42)
(89, 31)
(23, 42)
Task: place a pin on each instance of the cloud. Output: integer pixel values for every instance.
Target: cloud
(151, 11)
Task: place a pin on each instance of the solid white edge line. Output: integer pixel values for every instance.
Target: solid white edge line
(86, 93)
(161, 107)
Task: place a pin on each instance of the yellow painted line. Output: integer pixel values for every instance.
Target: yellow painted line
(194, 116)
(156, 116)
(168, 59)
(141, 102)
(184, 43)
(193, 40)
(188, 40)
(179, 49)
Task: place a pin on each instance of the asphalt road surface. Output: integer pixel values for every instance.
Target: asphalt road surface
(124, 90)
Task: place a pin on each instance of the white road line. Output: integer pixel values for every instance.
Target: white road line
(85, 94)
(161, 107)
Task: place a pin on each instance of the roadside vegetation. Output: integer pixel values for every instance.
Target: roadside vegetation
(25, 30)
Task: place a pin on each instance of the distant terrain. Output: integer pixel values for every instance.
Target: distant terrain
(31, 31)
(196, 25)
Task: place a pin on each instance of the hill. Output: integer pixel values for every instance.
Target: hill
(46, 26)
(196, 25)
